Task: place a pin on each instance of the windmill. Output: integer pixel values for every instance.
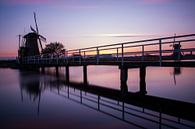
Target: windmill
(177, 53)
(31, 42)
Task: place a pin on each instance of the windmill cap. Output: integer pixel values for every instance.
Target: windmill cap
(32, 34)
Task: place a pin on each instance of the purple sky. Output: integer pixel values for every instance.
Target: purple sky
(85, 23)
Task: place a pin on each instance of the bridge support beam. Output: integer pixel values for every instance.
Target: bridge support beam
(142, 84)
(123, 79)
(67, 74)
(85, 74)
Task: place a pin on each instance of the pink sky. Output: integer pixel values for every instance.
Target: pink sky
(86, 23)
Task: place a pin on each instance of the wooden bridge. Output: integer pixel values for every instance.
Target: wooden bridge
(174, 51)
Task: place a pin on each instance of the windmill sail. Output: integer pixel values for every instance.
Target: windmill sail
(33, 29)
(42, 38)
(37, 30)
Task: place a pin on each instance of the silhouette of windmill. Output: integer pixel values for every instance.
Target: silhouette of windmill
(177, 53)
(30, 43)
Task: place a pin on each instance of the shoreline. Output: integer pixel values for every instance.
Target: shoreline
(10, 63)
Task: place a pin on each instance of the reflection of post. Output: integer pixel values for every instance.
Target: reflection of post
(98, 102)
(160, 119)
(142, 74)
(42, 70)
(81, 96)
(38, 108)
(57, 71)
(67, 74)
(68, 91)
(21, 91)
(58, 87)
(123, 110)
(177, 71)
(85, 74)
(123, 78)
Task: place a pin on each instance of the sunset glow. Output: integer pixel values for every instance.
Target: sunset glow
(86, 23)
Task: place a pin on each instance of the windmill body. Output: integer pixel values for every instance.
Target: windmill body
(31, 44)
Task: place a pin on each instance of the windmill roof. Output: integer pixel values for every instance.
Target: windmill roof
(32, 34)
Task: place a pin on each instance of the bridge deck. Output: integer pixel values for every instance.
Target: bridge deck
(115, 63)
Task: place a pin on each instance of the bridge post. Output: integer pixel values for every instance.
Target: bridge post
(97, 56)
(123, 79)
(84, 56)
(98, 102)
(160, 51)
(80, 57)
(57, 60)
(142, 53)
(179, 51)
(85, 74)
(67, 74)
(117, 54)
(122, 51)
(142, 84)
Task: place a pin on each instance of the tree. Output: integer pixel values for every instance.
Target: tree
(54, 48)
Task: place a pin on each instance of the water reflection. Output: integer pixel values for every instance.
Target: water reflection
(176, 72)
(139, 110)
(34, 83)
(31, 83)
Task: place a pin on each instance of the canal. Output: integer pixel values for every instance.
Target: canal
(36, 100)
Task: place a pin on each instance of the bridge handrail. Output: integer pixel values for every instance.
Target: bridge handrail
(132, 46)
(133, 42)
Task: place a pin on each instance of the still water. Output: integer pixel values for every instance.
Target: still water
(35, 100)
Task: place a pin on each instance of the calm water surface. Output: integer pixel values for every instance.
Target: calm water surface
(168, 82)
(34, 100)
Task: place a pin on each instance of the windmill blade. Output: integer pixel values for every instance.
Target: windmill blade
(33, 29)
(42, 38)
(40, 44)
(37, 29)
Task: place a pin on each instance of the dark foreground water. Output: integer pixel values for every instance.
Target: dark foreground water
(34, 100)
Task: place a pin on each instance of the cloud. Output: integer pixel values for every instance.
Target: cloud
(119, 35)
(64, 4)
(19, 2)
(157, 1)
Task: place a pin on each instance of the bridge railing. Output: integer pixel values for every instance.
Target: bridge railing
(179, 47)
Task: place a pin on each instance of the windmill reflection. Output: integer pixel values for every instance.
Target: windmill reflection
(176, 72)
(31, 83)
(34, 83)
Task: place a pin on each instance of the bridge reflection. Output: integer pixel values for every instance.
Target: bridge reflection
(133, 108)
